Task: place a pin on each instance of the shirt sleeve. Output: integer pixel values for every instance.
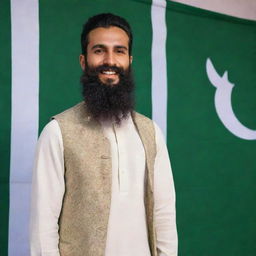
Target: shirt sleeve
(48, 188)
(164, 195)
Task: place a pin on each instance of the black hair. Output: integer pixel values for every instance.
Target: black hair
(104, 20)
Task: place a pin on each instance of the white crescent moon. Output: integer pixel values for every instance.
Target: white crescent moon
(223, 104)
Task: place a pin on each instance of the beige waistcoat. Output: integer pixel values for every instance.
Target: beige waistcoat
(85, 210)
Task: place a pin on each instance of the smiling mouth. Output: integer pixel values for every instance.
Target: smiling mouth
(108, 72)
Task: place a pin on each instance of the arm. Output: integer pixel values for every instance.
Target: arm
(164, 194)
(47, 192)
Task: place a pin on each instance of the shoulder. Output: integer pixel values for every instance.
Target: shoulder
(147, 120)
(51, 134)
(50, 129)
(148, 124)
(158, 132)
(142, 121)
(141, 117)
(72, 112)
(75, 117)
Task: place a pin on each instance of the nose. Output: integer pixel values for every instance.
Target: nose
(109, 59)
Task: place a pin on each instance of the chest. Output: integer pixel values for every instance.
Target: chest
(128, 158)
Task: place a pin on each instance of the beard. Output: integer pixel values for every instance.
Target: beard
(108, 101)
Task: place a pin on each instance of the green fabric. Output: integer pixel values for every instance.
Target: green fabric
(5, 110)
(214, 171)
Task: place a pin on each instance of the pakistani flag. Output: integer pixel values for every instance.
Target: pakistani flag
(195, 76)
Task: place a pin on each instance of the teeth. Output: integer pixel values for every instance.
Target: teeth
(109, 72)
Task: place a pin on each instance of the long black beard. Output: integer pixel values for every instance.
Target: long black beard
(108, 102)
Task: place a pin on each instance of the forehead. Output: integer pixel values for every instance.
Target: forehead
(108, 36)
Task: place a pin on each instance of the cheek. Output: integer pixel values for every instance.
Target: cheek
(125, 62)
(93, 60)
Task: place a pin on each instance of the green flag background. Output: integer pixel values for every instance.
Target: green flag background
(5, 124)
(214, 169)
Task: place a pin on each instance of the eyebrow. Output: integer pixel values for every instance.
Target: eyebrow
(98, 46)
(104, 46)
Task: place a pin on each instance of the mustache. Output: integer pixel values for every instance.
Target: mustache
(106, 67)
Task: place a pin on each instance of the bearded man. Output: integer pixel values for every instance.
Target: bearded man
(102, 183)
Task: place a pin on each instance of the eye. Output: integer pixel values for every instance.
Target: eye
(98, 51)
(121, 51)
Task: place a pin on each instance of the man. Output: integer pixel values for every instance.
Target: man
(102, 183)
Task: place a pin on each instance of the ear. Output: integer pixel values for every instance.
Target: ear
(131, 58)
(82, 61)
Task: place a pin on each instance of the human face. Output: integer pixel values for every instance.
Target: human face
(107, 46)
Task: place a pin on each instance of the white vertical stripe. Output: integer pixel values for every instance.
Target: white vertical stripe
(159, 73)
(24, 131)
